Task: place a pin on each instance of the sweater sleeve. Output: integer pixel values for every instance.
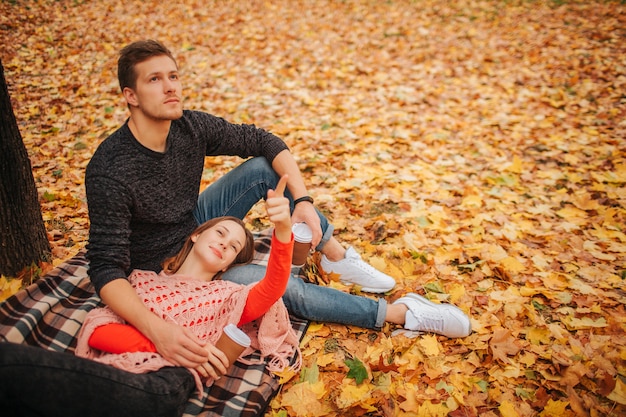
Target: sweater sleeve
(109, 231)
(244, 140)
(120, 338)
(264, 294)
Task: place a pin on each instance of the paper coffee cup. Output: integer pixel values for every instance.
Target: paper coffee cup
(232, 342)
(302, 236)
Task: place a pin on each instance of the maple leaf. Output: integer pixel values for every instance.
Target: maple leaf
(555, 409)
(8, 287)
(430, 345)
(502, 344)
(351, 396)
(286, 375)
(304, 399)
(358, 371)
(310, 374)
(384, 367)
(410, 403)
(428, 409)
(506, 408)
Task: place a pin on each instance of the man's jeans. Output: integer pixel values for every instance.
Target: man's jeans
(234, 195)
(35, 382)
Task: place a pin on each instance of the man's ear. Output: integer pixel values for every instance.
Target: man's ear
(130, 96)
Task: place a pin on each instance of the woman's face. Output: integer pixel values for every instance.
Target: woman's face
(218, 246)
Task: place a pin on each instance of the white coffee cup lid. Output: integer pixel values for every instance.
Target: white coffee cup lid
(302, 232)
(237, 335)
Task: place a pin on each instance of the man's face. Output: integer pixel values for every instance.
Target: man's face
(157, 93)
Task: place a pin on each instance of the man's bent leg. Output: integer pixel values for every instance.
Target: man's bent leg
(318, 303)
(240, 189)
(237, 191)
(38, 382)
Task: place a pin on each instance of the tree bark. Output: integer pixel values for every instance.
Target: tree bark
(23, 239)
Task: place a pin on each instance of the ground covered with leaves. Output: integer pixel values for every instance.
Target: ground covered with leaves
(476, 151)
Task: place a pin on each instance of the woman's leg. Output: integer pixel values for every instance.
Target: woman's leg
(318, 303)
(39, 382)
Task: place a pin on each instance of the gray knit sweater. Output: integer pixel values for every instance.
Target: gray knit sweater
(141, 202)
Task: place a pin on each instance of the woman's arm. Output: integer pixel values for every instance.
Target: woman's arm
(120, 338)
(273, 284)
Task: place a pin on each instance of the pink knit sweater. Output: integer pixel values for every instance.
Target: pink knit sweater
(203, 307)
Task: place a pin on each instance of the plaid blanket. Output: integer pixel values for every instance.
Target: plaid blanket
(49, 314)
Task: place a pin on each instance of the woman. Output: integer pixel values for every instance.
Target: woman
(187, 293)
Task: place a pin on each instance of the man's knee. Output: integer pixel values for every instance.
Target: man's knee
(259, 164)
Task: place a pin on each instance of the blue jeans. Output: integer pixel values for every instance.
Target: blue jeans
(234, 195)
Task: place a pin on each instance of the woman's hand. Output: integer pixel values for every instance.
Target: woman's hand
(216, 365)
(278, 211)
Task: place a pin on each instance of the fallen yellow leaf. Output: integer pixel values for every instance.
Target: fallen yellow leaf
(506, 408)
(304, 399)
(619, 392)
(430, 345)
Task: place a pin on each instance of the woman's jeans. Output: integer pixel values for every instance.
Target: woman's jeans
(234, 195)
(35, 382)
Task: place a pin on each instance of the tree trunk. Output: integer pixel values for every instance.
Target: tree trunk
(23, 239)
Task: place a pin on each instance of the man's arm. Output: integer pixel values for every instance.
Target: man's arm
(225, 138)
(284, 163)
(176, 343)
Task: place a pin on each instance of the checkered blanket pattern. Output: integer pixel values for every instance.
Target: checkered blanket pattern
(49, 314)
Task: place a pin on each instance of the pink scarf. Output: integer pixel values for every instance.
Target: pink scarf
(203, 307)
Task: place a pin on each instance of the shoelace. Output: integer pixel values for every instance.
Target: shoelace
(363, 266)
(429, 323)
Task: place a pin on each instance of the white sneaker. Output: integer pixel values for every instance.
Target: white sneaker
(353, 270)
(426, 316)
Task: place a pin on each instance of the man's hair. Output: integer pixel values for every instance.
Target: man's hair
(134, 54)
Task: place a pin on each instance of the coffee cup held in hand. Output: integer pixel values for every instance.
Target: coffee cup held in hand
(302, 236)
(232, 342)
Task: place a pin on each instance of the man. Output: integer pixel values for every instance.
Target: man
(142, 191)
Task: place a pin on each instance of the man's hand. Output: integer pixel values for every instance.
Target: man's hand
(284, 163)
(305, 213)
(179, 345)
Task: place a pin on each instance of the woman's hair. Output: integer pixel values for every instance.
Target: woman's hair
(173, 264)
(134, 54)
